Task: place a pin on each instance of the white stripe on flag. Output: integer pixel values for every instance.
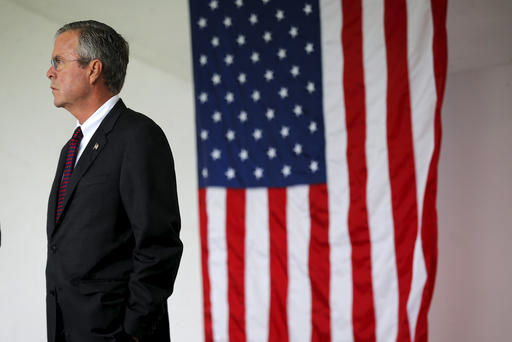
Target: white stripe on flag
(217, 262)
(337, 173)
(257, 274)
(423, 102)
(380, 212)
(298, 233)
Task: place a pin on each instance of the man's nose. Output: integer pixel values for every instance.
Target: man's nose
(50, 73)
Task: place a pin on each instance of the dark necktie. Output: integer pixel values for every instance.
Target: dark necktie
(74, 144)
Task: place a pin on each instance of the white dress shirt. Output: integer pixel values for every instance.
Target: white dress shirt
(90, 125)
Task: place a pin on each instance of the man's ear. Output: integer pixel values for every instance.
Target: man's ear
(95, 68)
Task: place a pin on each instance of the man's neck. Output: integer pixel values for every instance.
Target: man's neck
(85, 110)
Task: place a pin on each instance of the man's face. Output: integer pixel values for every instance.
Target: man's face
(69, 81)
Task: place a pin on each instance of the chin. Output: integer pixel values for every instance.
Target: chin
(57, 103)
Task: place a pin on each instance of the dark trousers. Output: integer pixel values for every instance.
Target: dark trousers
(59, 332)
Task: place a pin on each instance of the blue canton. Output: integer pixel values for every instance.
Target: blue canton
(258, 93)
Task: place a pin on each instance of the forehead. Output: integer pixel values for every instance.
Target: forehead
(65, 44)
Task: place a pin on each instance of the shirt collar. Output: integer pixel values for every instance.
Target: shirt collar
(91, 124)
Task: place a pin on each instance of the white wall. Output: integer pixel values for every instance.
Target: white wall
(32, 132)
(472, 299)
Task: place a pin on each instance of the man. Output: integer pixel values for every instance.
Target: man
(113, 218)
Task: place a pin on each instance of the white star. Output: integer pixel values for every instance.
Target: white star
(215, 41)
(286, 170)
(255, 95)
(204, 172)
(270, 114)
(239, 3)
(313, 166)
(309, 48)
(310, 87)
(267, 36)
(230, 135)
(230, 173)
(230, 97)
(285, 131)
(243, 116)
(204, 134)
(216, 79)
(203, 97)
(271, 153)
(228, 59)
(269, 75)
(265, 1)
(283, 92)
(279, 15)
(217, 116)
(201, 23)
(297, 110)
(203, 59)
(215, 154)
(257, 134)
(293, 31)
(240, 40)
(255, 57)
(242, 78)
(227, 21)
(297, 149)
(253, 19)
(214, 5)
(281, 53)
(295, 71)
(258, 172)
(312, 127)
(307, 9)
(243, 154)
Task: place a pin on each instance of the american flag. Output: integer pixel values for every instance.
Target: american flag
(318, 137)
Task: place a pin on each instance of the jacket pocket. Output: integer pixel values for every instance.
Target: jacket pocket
(91, 286)
(96, 179)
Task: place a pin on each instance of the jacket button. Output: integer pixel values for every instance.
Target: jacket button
(53, 248)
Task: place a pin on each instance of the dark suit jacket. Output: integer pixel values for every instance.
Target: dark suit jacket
(114, 253)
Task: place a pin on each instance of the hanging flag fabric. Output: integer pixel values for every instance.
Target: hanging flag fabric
(318, 138)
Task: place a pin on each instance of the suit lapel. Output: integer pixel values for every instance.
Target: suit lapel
(93, 149)
(86, 159)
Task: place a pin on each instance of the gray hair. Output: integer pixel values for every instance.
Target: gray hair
(100, 41)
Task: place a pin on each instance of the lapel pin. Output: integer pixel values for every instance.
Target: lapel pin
(96, 146)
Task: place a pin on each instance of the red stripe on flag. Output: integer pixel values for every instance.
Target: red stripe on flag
(203, 230)
(429, 219)
(400, 154)
(319, 263)
(363, 310)
(235, 240)
(278, 323)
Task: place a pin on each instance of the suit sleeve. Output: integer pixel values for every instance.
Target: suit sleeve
(148, 193)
